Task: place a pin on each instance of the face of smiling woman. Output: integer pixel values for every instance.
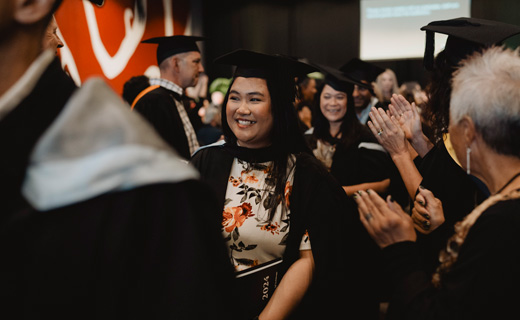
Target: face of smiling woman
(248, 112)
(333, 104)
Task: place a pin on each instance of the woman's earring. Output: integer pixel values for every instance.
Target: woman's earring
(468, 152)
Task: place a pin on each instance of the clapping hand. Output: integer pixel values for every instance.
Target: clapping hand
(407, 116)
(388, 132)
(385, 221)
(409, 119)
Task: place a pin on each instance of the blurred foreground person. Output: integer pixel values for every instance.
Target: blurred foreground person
(477, 277)
(100, 219)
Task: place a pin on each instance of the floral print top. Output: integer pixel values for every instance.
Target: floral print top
(252, 238)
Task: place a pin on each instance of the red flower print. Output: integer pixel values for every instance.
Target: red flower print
(234, 217)
(274, 228)
(288, 191)
(235, 182)
(251, 178)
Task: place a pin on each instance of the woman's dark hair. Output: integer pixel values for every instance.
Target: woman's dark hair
(351, 129)
(286, 136)
(437, 109)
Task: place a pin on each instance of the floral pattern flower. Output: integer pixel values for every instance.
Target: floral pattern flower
(249, 178)
(274, 228)
(288, 191)
(254, 233)
(235, 181)
(234, 217)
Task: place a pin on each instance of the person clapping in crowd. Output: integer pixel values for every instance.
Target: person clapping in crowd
(477, 277)
(436, 168)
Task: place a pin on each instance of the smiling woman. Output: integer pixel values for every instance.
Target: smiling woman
(272, 191)
(345, 146)
(249, 112)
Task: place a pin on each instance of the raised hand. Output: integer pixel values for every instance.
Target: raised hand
(388, 132)
(410, 121)
(385, 221)
(407, 115)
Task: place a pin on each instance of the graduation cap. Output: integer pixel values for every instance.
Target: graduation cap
(99, 3)
(172, 45)
(251, 64)
(361, 70)
(465, 35)
(339, 80)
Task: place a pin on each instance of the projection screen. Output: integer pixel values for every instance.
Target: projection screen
(390, 29)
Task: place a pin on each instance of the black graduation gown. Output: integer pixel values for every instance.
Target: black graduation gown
(21, 129)
(152, 252)
(353, 165)
(158, 107)
(343, 284)
(482, 284)
(459, 194)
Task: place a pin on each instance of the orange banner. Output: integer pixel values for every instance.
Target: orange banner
(106, 41)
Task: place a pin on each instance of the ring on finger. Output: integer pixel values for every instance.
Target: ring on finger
(380, 132)
(368, 216)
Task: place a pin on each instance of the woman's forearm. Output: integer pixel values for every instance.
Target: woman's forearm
(422, 145)
(378, 186)
(411, 176)
(291, 289)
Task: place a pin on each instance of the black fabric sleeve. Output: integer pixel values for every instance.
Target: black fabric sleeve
(160, 110)
(214, 165)
(154, 252)
(340, 286)
(480, 285)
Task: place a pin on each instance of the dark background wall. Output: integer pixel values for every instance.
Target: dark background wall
(324, 31)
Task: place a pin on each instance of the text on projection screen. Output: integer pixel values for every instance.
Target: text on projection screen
(390, 29)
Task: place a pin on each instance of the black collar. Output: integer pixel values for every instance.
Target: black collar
(251, 155)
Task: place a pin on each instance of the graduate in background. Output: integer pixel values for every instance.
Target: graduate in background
(279, 202)
(100, 219)
(364, 96)
(340, 142)
(180, 64)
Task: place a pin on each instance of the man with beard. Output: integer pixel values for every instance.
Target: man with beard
(364, 98)
(180, 64)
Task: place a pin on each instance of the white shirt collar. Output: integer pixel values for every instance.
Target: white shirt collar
(363, 117)
(167, 84)
(23, 87)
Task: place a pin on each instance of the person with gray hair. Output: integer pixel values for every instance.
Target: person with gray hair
(478, 273)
